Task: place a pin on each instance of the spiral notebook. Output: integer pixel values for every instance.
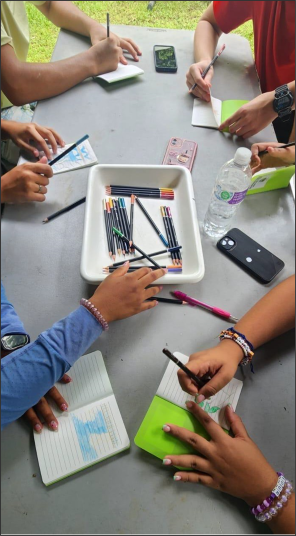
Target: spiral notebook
(168, 406)
(90, 431)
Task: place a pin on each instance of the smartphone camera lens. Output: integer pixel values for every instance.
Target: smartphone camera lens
(174, 141)
(227, 242)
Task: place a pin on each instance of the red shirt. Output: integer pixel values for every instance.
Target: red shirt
(274, 36)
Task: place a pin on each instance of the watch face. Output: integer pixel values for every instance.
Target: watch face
(283, 102)
(15, 341)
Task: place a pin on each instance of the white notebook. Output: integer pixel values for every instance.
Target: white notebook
(80, 157)
(90, 431)
(122, 72)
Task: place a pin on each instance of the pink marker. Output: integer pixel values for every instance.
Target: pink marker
(215, 310)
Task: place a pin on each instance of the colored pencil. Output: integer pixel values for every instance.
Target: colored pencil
(167, 300)
(125, 248)
(64, 210)
(137, 248)
(125, 218)
(171, 269)
(160, 193)
(173, 230)
(155, 254)
(132, 220)
(198, 381)
(125, 226)
(64, 153)
(169, 234)
(117, 225)
(205, 72)
(291, 144)
(113, 223)
(158, 232)
(107, 227)
(108, 25)
(110, 233)
(215, 310)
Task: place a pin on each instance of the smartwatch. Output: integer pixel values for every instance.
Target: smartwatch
(14, 341)
(283, 102)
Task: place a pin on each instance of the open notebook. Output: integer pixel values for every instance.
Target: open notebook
(90, 431)
(212, 114)
(80, 157)
(122, 72)
(168, 406)
(271, 179)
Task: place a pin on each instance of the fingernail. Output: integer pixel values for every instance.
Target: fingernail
(68, 379)
(166, 461)
(166, 270)
(200, 398)
(38, 428)
(64, 407)
(189, 404)
(166, 428)
(53, 425)
(230, 407)
(160, 288)
(126, 262)
(177, 477)
(36, 153)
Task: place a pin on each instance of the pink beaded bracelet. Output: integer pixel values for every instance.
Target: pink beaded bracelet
(94, 311)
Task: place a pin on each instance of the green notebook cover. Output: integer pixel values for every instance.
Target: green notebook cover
(229, 107)
(271, 179)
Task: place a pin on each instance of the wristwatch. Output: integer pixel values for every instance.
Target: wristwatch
(283, 102)
(14, 341)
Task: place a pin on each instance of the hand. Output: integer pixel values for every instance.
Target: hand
(123, 294)
(21, 184)
(203, 85)
(220, 363)
(98, 33)
(234, 465)
(275, 158)
(24, 133)
(105, 56)
(251, 117)
(45, 411)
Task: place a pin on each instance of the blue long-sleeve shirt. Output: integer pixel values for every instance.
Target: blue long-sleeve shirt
(28, 373)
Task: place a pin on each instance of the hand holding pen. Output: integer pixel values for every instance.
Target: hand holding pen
(199, 76)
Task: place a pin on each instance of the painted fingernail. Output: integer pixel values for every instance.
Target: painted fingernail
(165, 270)
(166, 428)
(200, 398)
(64, 407)
(53, 425)
(166, 461)
(189, 404)
(177, 477)
(38, 428)
(68, 379)
(160, 288)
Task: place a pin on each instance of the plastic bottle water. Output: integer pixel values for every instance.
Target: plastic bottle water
(231, 186)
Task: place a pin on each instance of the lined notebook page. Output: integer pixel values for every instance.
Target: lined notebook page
(85, 436)
(170, 390)
(122, 72)
(90, 383)
(206, 114)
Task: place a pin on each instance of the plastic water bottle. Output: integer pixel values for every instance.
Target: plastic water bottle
(231, 186)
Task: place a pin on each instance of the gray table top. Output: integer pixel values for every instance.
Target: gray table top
(131, 122)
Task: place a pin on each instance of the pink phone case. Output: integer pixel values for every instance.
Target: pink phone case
(180, 153)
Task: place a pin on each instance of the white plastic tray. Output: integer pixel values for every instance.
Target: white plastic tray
(94, 248)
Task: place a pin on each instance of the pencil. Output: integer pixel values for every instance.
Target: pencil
(125, 227)
(155, 254)
(64, 153)
(132, 219)
(162, 210)
(113, 223)
(106, 224)
(167, 300)
(116, 203)
(198, 381)
(160, 193)
(125, 218)
(170, 235)
(64, 210)
(108, 25)
(291, 144)
(137, 248)
(158, 232)
(205, 72)
(117, 225)
(171, 268)
(110, 233)
(173, 230)
(172, 241)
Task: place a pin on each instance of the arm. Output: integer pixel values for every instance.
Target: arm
(255, 115)
(66, 15)
(275, 156)
(233, 465)
(206, 38)
(221, 362)
(26, 82)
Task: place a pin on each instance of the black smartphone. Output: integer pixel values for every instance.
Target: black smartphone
(251, 256)
(165, 59)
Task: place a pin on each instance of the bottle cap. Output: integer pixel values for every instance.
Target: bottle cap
(242, 156)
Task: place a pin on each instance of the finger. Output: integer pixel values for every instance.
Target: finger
(66, 379)
(195, 478)
(153, 276)
(134, 45)
(236, 423)
(152, 291)
(148, 305)
(48, 135)
(45, 410)
(123, 60)
(186, 383)
(42, 169)
(121, 271)
(32, 197)
(29, 148)
(232, 119)
(139, 274)
(189, 461)
(40, 189)
(214, 430)
(41, 143)
(40, 179)
(221, 378)
(57, 137)
(34, 420)
(194, 440)
(58, 399)
(125, 45)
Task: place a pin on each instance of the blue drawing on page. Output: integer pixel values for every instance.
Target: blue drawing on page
(84, 430)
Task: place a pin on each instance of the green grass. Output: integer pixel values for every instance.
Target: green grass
(179, 15)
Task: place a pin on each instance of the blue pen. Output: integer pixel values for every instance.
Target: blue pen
(60, 156)
(162, 238)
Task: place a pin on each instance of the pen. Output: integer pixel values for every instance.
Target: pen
(205, 72)
(108, 25)
(291, 144)
(60, 156)
(63, 210)
(215, 310)
(199, 382)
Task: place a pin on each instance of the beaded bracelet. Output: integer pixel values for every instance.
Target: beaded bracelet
(243, 342)
(94, 311)
(265, 511)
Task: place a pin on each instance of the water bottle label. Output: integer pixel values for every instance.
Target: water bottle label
(232, 198)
